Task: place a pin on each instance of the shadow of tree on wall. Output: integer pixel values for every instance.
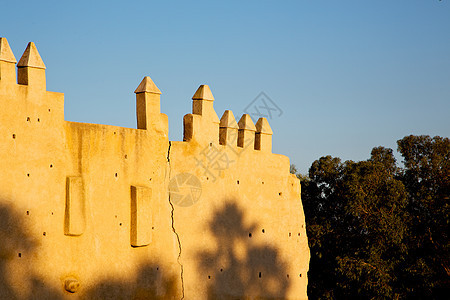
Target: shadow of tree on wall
(18, 280)
(150, 283)
(240, 267)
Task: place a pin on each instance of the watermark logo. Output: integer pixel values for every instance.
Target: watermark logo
(232, 141)
(185, 189)
(262, 107)
(213, 161)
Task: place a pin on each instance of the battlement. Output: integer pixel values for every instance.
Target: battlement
(202, 125)
(30, 69)
(101, 211)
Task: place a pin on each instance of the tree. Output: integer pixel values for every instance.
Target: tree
(323, 213)
(426, 176)
(376, 230)
(356, 224)
(376, 203)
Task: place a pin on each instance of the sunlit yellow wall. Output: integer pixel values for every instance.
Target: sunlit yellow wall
(246, 233)
(85, 209)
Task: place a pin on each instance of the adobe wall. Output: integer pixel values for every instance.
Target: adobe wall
(96, 211)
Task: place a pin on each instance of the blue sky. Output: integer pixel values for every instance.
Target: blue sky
(347, 75)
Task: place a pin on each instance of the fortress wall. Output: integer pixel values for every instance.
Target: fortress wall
(32, 180)
(46, 162)
(246, 222)
(110, 161)
(96, 211)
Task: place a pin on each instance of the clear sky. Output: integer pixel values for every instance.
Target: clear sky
(346, 75)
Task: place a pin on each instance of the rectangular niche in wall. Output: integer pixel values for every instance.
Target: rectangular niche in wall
(74, 218)
(141, 216)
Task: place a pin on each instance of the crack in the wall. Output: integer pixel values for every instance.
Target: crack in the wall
(168, 156)
(173, 228)
(179, 251)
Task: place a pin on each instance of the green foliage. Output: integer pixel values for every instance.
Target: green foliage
(376, 230)
(427, 180)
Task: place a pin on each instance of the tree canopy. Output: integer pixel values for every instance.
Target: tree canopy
(377, 229)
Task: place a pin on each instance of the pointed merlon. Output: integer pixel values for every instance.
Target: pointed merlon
(5, 51)
(246, 123)
(228, 120)
(203, 93)
(263, 136)
(228, 129)
(147, 86)
(31, 58)
(262, 126)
